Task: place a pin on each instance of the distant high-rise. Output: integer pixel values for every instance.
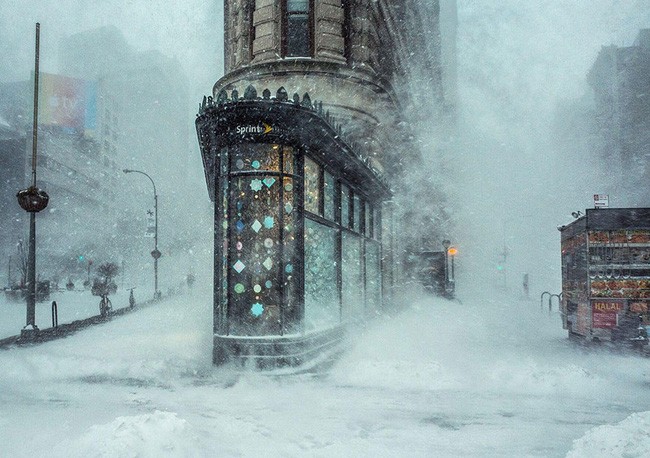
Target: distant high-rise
(621, 86)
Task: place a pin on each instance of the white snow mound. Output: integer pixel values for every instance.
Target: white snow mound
(629, 438)
(150, 435)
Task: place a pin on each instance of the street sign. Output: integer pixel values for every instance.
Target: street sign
(601, 200)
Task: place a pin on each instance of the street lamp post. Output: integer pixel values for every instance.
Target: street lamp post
(155, 253)
(33, 200)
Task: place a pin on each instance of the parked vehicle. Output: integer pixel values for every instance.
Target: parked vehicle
(606, 275)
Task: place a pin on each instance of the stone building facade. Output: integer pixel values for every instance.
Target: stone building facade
(375, 65)
(311, 145)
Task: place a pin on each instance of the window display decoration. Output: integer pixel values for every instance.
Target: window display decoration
(239, 266)
(256, 185)
(257, 309)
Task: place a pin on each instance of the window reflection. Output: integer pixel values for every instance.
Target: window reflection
(312, 186)
(329, 192)
(345, 206)
(321, 291)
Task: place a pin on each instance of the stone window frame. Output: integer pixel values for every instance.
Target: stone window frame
(285, 29)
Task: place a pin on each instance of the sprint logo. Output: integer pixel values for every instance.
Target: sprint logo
(262, 128)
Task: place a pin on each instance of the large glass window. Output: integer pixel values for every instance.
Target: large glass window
(322, 308)
(345, 206)
(329, 191)
(373, 275)
(351, 276)
(312, 186)
(357, 213)
(298, 34)
(258, 279)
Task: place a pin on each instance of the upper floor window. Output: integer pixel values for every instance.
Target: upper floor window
(298, 33)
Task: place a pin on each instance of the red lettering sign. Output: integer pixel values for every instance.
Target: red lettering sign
(604, 313)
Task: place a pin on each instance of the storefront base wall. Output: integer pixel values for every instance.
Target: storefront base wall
(273, 352)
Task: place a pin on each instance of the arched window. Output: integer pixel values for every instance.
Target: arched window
(298, 28)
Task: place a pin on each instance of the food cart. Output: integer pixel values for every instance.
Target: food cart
(606, 275)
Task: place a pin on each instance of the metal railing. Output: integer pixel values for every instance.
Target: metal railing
(550, 301)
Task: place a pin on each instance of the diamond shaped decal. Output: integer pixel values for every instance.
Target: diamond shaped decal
(257, 309)
(288, 208)
(256, 226)
(269, 222)
(268, 263)
(239, 266)
(268, 181)
(240, 226)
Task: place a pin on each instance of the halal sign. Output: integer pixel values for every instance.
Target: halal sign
(604, 313)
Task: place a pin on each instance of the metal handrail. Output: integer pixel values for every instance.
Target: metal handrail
(550, 301)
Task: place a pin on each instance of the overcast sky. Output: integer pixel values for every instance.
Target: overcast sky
(191, 30)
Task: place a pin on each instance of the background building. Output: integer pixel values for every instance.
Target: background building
(621, 88)
(12, 171)
(110, 108)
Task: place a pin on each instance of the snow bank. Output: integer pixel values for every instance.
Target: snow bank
(629, 438)
(149, 435)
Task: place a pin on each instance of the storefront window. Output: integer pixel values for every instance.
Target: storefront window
(368, 220)
(254, 270)
(312, 186)
(357, 214)
(321, 291)
(250, 157)
(373, 275)
(289, 269)
(260, 243)
(352, 279)
(329, 191)
(345, 206)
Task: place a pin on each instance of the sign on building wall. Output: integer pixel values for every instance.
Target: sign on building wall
(68, 103)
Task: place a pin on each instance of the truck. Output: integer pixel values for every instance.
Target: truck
(606, 276)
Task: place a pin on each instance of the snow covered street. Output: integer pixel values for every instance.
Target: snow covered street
(438, 379)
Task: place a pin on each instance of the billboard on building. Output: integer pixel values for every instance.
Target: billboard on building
(68, 103)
